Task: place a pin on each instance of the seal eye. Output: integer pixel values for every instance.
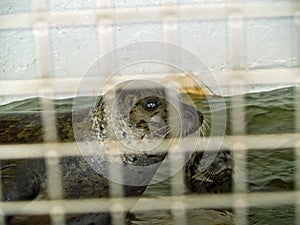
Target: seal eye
(151, 105)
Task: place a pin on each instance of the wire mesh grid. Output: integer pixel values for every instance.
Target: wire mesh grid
(169, 14)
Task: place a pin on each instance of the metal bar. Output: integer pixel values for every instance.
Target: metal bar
(237, 50)
(261, 199)
(41, 20)
(2, 217)
(255, 142)
(297, 116)
(146, 14)
(264, 78)
(43, 70)
(57, 215)
(106, 44)
(118, 214)
(170, 33)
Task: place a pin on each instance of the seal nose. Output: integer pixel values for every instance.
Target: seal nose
(192, 119)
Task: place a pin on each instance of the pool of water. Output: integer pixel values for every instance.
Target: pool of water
(268, 169)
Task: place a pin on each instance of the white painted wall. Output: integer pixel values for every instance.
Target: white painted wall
(269, 43)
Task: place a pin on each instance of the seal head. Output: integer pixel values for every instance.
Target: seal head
(141, 119)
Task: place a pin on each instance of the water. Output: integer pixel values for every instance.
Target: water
(268, 169)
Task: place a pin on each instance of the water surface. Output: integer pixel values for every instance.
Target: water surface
(268, 169)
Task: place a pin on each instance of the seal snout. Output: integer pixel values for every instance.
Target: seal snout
(192, 119)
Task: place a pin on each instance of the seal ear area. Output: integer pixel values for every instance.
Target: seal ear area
(125, 99)
(190, 84)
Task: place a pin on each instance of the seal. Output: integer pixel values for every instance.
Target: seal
(200, 176)
(209, 171)
(130, 115)
(141, 119)
(214, 178)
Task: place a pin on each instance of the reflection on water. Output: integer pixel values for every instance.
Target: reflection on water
(268, 169)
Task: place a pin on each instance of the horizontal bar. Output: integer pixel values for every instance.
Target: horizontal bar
(20, 87)
(259, 142)
(24, 151)
(146, 14)
(262, 199)
(262, 77)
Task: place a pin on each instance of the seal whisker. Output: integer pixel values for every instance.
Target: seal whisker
(168, 128)
(6, 176)
(7, 166)
(212, 174)
(162, 128)
(204, 128)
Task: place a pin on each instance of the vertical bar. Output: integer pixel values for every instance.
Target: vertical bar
(54, 183)
(50, 135)
(297, 115)
(179, 212)
(236, 40)
(236, 26)
(297, 165)
(170, 29)
(116, 187)
(2, 217)
(106, 44)
(178, 188)
(53, 171)
(42, 49)
(170, 33)
(104, 29)
(169, 2)
(48, 116)
(297, 25)
(43, 70)
(38, 5)
(239, 148)
(117, 213)
(105, 4)
(57, 215)
(239, 185)
(115, 171)
(105, 35)
(177, 179)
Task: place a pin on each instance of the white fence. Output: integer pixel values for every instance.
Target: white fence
(170, 14)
